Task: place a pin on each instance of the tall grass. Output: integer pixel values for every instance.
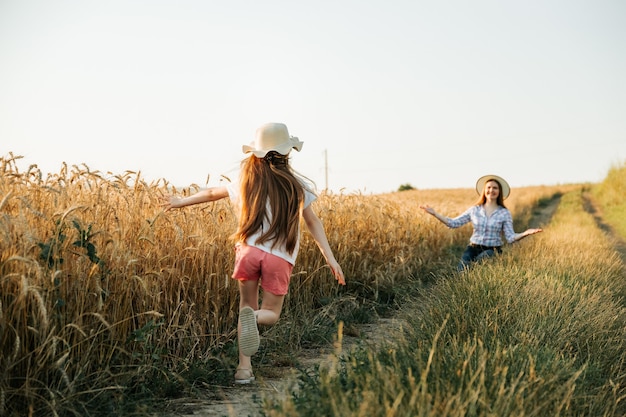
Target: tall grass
(539, 331)
(103, 296)
(610, 195)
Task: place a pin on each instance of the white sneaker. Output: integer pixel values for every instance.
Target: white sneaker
(249, 340)
(244, 376)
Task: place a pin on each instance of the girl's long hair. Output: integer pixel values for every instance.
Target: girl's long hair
(482, 199)
(270, 183)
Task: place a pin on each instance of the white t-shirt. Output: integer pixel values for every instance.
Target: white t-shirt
(234, 192)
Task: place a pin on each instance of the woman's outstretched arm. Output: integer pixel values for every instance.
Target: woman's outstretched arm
(428, 209)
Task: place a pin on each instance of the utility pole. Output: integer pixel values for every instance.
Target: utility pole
(326, 167)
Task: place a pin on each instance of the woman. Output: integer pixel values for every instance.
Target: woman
(490, 219)
(271, 201)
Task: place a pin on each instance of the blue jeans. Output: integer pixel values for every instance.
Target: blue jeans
(475, 253)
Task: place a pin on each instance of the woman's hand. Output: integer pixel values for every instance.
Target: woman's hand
(525, 233)
(532, 231)
(428, 209)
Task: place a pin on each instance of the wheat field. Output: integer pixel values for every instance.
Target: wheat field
(101, 291)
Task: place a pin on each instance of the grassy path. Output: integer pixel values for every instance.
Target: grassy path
(539, 331)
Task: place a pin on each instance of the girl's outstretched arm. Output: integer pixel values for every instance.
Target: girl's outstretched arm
(203, 196)
(314, 224)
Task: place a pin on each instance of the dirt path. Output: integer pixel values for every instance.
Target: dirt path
(240, 401)
(543, 216)
(244, 400)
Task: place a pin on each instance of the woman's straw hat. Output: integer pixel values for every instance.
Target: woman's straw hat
(505, 189)
(272, 137)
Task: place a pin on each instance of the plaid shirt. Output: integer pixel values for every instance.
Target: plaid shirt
(487, 230)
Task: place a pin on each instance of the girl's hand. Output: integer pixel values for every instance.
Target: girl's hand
(337, 272)
(170, 202)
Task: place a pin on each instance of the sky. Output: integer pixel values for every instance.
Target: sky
(383, 93)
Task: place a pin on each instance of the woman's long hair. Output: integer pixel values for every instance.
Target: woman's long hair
(270, 182)
(483, 199)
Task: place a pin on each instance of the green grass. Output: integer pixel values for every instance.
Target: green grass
(611, 197)
(540, 331)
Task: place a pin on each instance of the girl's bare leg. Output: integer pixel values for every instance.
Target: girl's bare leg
(271, 308)
(268, 314)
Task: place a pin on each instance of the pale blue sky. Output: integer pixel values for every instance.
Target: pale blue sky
(431, 93)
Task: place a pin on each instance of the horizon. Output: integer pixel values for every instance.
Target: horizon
(388, 93)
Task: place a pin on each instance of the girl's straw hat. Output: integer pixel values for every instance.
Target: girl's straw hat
(505, 189)
(272, 137)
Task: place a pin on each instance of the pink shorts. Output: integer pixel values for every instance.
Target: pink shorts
(253, 264)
